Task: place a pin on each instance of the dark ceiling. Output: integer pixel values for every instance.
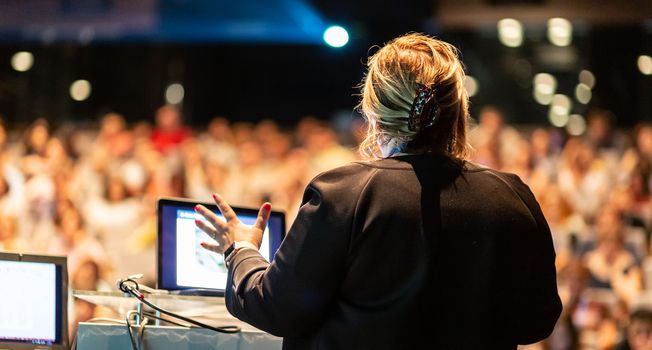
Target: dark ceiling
(265, 59)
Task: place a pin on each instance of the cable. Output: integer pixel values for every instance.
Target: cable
(131, 335)
(130, 286)
(151, 315)
(223, 329)
(141, 331)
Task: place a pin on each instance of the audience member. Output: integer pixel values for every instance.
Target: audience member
(639, 332)
(169, 132)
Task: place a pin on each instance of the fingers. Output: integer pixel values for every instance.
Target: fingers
(220, 238)
(211, 231)
(224, 207)
(211, 217)
(212, 247)
(263, 216)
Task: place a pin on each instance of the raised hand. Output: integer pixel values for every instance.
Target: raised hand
(231, 229)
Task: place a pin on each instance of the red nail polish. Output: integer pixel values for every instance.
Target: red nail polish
(197, 207)
(202, 244)
(196, 221)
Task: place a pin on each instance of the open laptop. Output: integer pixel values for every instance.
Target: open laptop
(183, 266)
(33, 302)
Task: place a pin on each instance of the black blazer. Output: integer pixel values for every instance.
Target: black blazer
(405, 252)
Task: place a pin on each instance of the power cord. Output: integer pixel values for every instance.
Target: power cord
(131, 287)
(166, 320)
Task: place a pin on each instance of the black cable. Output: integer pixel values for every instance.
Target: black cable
(223, 329)
(151, 315)
(130, 286)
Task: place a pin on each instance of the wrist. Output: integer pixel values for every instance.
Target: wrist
(234, 248)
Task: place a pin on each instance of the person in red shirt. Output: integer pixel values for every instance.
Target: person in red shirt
(169, 132)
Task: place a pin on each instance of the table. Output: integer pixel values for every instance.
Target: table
(102, 336)
(210, 310)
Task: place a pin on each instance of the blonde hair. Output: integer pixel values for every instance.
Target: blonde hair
(390, 86)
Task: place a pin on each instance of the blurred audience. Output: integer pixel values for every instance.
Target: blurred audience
(595, 193)
(90, 194)
(638, 335)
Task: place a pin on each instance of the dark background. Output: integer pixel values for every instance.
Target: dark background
(265, 59)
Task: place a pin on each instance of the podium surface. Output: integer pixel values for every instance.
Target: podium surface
(99, 336)
(211, 310)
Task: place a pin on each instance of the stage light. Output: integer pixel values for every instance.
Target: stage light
(22, 61)
(546, 83)
(645, 64)
(561, 104)
(559, 109)
(174, 93)
(576, 125)
(583, 93)
(545, 86)
(587, 78)
(336, 36)
(558, 120)
(541, 98)
(510, 32)
(80, 90)
(560, 31)
(471, 85)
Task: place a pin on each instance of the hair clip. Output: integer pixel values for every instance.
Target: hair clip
(425, 109)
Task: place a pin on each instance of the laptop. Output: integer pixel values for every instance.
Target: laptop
(33, 302)
(183, 266)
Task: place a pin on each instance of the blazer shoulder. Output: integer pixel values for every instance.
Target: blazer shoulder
(341, 186)
(510, 179)
(344, 173)
(509, 182)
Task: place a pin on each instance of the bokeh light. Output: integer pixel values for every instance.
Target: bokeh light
(174, 93)
(510, 32)
(560, 31)
(22, 61)
(576, 125)
(558, 120)
(645, 64)
(545, 86)
(587, 78)
(583, 93)
(561, 104)
(80, 90)
(336, 36)
(471, 85)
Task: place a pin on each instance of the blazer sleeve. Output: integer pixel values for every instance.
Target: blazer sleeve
(292, 295)
(539, 305)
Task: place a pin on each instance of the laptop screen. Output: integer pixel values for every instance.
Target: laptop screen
(183, 263)
(32, 300)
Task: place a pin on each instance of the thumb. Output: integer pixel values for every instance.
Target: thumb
(263, 216)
